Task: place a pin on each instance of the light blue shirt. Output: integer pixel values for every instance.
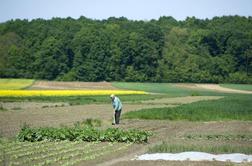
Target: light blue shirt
(117, 105)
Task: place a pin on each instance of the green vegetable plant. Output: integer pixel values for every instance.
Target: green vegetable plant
(80, 133)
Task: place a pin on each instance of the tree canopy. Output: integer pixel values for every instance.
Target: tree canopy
(118, 49)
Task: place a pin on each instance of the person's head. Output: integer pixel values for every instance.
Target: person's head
(112, 96)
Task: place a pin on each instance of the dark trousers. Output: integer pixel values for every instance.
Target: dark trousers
(117, 116)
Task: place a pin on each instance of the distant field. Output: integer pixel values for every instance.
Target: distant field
(238, 86)
(168, 89)
(6, 84)
(229, 108)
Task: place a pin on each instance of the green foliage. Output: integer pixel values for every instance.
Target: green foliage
(118, 49)
(84, 133)
(229, 108)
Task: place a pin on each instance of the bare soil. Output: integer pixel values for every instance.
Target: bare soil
(71, 85)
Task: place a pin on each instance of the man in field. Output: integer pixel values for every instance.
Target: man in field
(117, 106)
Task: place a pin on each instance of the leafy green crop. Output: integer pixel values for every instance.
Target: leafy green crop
(86, 133)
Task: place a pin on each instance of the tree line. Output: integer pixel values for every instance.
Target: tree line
(117, 49)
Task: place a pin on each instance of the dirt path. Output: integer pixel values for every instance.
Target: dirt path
(213, 87)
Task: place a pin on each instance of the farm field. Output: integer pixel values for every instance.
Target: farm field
(217, 134)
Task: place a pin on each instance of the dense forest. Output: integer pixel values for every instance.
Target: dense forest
(117, 49)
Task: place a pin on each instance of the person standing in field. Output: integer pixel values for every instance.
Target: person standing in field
(117, 106)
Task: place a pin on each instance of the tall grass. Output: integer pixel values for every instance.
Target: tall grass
(77, 100)
(229, 108)
(176, 148)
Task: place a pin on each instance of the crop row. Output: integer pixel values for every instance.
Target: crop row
(53, 154)
(94, 156)
(67, 156)
(44, 150)
(37, 147)
(75, 154)
(82, 133)
(31, 93)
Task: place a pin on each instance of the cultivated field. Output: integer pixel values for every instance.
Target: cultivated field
(182, 117)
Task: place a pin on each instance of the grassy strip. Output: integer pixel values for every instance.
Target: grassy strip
(78, 100)
(220, 137)
(176, 148)
(77, 133)
(229, 108)
(11, 84)
(2, 108)
(166, 88)
(238, 86)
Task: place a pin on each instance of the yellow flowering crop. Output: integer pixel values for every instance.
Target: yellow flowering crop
(31, 93)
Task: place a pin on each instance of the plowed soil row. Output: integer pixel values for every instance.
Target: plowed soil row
(71, 85)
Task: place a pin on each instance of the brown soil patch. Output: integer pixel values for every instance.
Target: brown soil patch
(71, 85)
(30, 105)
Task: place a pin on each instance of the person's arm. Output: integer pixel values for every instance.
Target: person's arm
(116, 104)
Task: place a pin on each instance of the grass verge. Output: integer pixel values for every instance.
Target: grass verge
(78, 100)
(238, 86)
(229, 108)
(218, 149)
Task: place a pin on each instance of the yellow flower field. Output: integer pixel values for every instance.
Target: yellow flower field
(31, 93)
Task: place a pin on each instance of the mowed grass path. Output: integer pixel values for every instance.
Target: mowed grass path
(237, 107)
(11, 84)
(247, 87)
